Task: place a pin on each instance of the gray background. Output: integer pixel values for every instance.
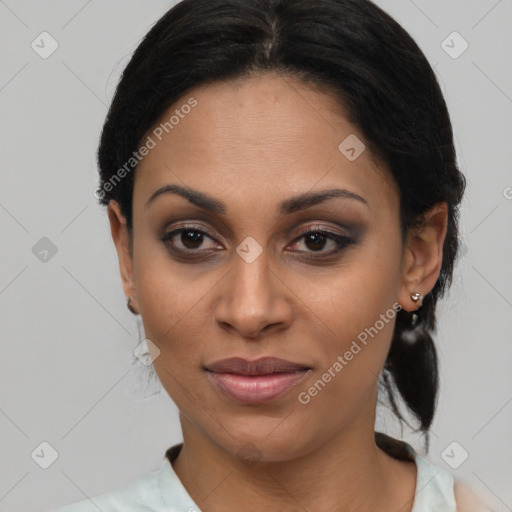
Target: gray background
(67, 376)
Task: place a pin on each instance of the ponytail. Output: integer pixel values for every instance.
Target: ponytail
(412, 367)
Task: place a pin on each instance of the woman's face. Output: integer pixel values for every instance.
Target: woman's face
(244, 280)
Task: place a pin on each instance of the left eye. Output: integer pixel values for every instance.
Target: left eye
(316, 240)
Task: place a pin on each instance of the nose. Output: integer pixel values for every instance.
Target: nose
(253, 299)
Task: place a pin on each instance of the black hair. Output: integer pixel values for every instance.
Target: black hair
(376, 71)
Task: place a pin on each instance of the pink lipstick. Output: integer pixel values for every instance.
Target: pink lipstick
(255, 382)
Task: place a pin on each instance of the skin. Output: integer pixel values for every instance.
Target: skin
(252, 144)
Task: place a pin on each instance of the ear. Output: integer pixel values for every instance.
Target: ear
(423, 256)
(121, 238)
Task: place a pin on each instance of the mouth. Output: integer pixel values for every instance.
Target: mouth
(255, 382)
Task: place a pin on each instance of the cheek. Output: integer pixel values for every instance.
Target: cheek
(357, 308)
(354, 296)
(172, 306)
(163, 301)
(167, 291)
(347, 383)
(358, 335)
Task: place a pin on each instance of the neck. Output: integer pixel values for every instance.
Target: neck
(347, 472)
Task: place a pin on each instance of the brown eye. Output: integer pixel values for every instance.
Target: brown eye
(316, 240)
(191, 239)
(188, 239)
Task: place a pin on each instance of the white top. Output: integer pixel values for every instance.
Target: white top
(162, 491)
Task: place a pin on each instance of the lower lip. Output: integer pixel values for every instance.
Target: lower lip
(256, 389)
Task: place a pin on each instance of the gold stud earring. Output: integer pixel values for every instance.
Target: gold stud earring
(417, 297)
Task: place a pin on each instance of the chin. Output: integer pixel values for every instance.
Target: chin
(264, 441)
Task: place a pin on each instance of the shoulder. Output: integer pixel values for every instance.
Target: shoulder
(467, 500)
(442, 490)
(139, 495)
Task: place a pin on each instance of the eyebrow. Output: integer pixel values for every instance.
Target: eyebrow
(291, 205)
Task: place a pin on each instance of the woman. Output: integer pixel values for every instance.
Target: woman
(283, 196)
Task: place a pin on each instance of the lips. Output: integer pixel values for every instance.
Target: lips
(255, 382)
(263, 366)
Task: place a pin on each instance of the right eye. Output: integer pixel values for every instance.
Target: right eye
(187, 239)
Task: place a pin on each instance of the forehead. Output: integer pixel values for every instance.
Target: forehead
(267, 137)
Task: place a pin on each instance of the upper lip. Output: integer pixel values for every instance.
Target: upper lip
(262, 366)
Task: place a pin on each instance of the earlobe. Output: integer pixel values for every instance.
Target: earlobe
(423, 256)
(121, 239)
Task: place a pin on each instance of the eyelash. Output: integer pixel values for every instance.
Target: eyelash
(341, 241)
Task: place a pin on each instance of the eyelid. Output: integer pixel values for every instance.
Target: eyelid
(185, 226)
(323, 229)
